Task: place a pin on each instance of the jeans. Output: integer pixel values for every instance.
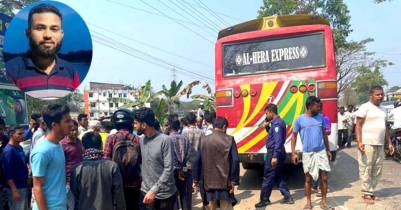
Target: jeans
(132, 195)
(2, 198)
(16, 205)
(342, 137)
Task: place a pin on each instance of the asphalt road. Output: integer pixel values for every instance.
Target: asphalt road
(344, 186)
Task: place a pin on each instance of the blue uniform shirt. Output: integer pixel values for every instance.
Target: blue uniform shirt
(276, 138)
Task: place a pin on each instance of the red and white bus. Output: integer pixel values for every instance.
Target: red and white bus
(280, 60)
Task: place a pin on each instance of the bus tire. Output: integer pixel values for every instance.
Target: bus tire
(251, 165)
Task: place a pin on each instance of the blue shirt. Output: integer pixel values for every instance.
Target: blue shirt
(14, 163)
(28, 134)
(310, 129)
(47, 160)
(276, 138)
(63, 78)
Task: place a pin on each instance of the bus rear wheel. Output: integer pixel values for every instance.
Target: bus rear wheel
(251, 165)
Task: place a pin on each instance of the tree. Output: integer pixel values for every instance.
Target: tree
(395, 88)
(380, 1)
(210, 100)
(335, 11)
(350, 58)
(367, 79)
(8, 7)
(171, 95)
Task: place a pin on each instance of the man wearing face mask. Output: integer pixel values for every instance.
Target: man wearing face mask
(40, 72)
(158, 190)
(274, 159)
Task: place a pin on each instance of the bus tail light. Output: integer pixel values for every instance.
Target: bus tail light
(224, 98)
(327, 89)
(311, 88)
(253, 92)
(293, 89)
(244, 93)
(302, 88)
(237, 94)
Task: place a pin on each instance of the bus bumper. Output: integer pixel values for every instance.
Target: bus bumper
(259, 158)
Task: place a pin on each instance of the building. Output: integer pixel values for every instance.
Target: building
(96, 99)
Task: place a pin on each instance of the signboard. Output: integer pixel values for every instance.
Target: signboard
(288, 53)
(13, 107)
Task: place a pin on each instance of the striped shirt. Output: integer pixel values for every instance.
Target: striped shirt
(374, 126)
(193, 134)
(182, 148)
(62, 80)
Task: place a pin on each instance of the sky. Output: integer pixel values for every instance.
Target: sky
(122, 30)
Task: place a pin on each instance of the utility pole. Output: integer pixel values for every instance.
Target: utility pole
(174, 74)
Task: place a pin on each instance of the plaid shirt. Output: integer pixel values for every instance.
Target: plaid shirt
(182, 148)
(193, 134)
(108, 152)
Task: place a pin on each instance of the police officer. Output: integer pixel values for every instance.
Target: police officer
(274, 160)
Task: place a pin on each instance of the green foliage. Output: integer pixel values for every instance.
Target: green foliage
(9, 6)
(380, 1)
(367, 79)
(160, 114)
(209, 102)
(395, 88)
(171, 95)
(335, 11)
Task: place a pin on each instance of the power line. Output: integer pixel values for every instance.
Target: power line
(193, 15)
(179, 56)
(234, 18)
(185, 17)
(128, 53)
(142, 10)
(152, 57)
(201, 14)
(178, 22)
(214, 14)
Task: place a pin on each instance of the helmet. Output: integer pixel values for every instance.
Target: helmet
(123, 116)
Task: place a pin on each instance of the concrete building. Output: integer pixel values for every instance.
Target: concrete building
(96, 99)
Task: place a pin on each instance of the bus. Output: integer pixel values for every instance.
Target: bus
(280, 60)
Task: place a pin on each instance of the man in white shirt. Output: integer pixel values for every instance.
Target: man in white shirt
(200, 112)
(396, 115)
(342, 128)
(371, 132)
(351, 118)
(209, 119)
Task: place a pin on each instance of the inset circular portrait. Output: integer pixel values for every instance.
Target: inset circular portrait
(47, 50)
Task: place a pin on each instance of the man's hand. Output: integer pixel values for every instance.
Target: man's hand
(16, 196)
(31, 123)
(181, 175)
(149, 197)
(329, 155)
(361, 147)
(391, 148)
(294, 159)
(232, 189)
(195, 185)
(274, 161)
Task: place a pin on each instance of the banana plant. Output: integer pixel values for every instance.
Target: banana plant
(210, 100)
(160, 114)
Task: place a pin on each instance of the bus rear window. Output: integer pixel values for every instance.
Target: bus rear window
(289, 53)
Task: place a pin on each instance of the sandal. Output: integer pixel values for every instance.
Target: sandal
(375, 198)
(308, 207)
(319, 193)
(326, 207)
(368, 199)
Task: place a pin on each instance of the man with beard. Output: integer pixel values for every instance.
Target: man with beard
(158, 191)
(316, 155)
(40, 72)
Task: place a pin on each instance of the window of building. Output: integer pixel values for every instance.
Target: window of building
(111, 104)
(120, 95)
(104, 94)
(91, 114)
(90, 95)
(110, 95)
(125, 95)
(93, 105)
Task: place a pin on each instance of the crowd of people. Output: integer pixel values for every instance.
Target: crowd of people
(127, 162)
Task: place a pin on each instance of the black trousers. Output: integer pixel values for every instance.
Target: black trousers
(158, 204)
(131, 195)
(342, 137)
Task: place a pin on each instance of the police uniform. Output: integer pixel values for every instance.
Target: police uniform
(275, 149)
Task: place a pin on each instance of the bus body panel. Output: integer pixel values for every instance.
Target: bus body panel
(246, 114)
